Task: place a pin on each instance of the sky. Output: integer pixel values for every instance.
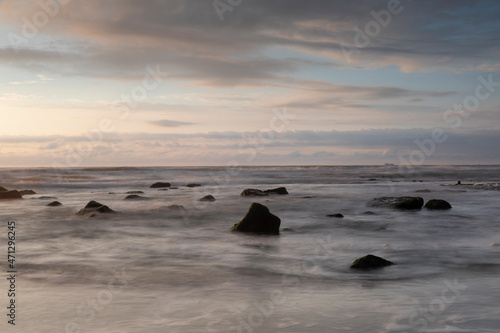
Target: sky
(249, 82)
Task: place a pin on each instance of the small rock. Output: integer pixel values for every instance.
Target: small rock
(27, 192)
(193, 185)
(160, 185)
(368, 212)
(279, 190)
(336, 215)
(259, 220)
(437, 204)
(370, 262)
(208, 198)
(54, 204)
(93, 207)
(423, 191)
(251, 192)
(404, 203)
(10, 195)
(135, 192)
(135, 197)
(174, 188)
(173, 207)
(47, 198)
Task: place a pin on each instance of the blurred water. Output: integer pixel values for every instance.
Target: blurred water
(153, 269)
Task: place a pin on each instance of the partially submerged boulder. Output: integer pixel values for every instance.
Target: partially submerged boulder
(95, 207)
(27, 192)
(404, 203)
(259, 220)
(134, 192)
(54, 204)
(135, 197)
(252, 192)
(338, 215)
(208, 198)
(193, 185)
(279, 190)
(4, 195)
(173, 208)
(160, 185)
(370, 262)
(3, 189)
(437, 204)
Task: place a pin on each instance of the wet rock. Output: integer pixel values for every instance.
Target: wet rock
(404, 203)
(4, 195)
(336, 215)
(368, 212)
(279, 190)
(437, 204)
(160, 185)
(370, 262)
(173, 208)
(259, 220)
(3, 189)
(135, 197)
(95, 207)
(27, 192)
(423, 191)
(251, 192)
(193, 185)
(54, 204)
(134, 192)
(47, 198)
(208, 198)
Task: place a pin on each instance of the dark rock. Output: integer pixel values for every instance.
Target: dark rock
(27, 192)
(370, 262)
(437, 204)
(173, 208)
(160, 185)
(174, 188)
(208, 198)
(193, 185)
(54, 204)
(47, 198)
(404, 203)
(372, 179)
(10, 195)
(251, 192)
(135, 192)
(279, 190)
(3, 189)
(135, 197)
(423, 191)
(259, 220)
(369, 213)
(95, 207)
(336, 215)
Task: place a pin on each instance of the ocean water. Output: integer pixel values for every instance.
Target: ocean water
(151, 268)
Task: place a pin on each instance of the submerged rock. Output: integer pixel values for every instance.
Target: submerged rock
(134, 192)
(173, 208)
(370, 262)
(251, 192)
(259, 220)
(95, 207)
(437, 204)
(10, 195)
(47, 198)
(135, 197)
(336, 215)
(54, 204)
(405, 203)
(160, 185)
(279, 190)
(27, 192)
(193, 185)
(208, 198)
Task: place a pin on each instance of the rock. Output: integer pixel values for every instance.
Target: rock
(208, 198)
(368, 212)
(423, 191)
(3, 189)
(95, 207)
(47, 198)
(259, 220)
(279, 190)
(10, 195)
(251, 192)
(135, 197)
(370, 262)
(160, 185)
(405, 203)
(174, 188)
(173, 207)
(193, 185)
(27, 192)
(437, 204)
(134, 192)
(54, 204)
(336, 215)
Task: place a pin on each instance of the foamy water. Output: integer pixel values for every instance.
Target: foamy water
(153, 269)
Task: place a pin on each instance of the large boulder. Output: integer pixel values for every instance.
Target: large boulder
(259, 220)
(160, 185)
(95, 207)
(279, 190)
(370, 262)
(437, 204)
(10, 195)
(405, 203)
(251, 192)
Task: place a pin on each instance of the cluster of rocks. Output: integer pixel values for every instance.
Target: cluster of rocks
(408, 203)
(13, 194)
(251, 192)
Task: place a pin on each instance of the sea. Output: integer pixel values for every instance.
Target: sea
(170, 263)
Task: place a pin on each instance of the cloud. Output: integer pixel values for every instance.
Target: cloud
(170, 123)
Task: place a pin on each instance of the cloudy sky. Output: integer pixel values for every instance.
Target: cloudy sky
(257, 82)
